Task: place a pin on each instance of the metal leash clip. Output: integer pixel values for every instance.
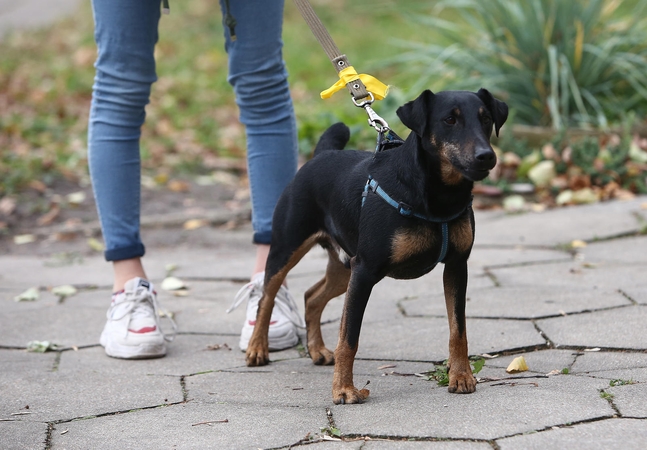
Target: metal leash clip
(374, 119)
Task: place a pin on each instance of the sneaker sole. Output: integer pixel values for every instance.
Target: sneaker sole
(141, 351)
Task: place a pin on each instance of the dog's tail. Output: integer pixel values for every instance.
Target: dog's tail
(334, 138)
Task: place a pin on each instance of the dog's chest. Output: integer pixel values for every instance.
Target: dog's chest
(415, 250)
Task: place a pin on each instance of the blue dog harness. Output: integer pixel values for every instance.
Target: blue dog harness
(407, 211)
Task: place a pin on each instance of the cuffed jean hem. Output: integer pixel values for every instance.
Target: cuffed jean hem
(263, 237)
(118, 254)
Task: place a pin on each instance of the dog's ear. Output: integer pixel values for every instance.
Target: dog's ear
(498, 109)
(414, 113)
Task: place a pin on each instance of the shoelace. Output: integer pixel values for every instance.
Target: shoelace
(283, 301)
(137, 303)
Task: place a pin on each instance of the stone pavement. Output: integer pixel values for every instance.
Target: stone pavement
(579, 314)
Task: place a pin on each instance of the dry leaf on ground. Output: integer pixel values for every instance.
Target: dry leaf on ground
(517, 365)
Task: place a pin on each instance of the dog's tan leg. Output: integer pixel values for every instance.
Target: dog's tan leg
(334, 283)
(258, 353)
(258, 350)
(461, 379)
(360, 285)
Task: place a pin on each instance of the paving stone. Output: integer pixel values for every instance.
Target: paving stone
(247, 427)
(438, 445)
(77, 321)
(335, 445)
(574, 274)
(603, 435)
(413, 409)
(559, 225)
(484, 256)
(286, 389)
(21, 435)
(519, 302)
(631, 400)
(17, 273)
(625, 251)
(636, 293)
(615, 328)
(406, 335)
(80, 390)
(430, 284)
(187, 354)
(592, 362)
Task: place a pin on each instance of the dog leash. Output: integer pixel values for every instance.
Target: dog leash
(363, 88)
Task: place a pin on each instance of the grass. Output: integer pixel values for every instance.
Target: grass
(46, 84)
(46, 81)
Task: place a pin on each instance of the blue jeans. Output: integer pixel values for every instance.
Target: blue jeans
(126, 34)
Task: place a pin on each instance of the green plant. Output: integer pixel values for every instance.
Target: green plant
(620, 382)
(606, 395)
(441, 373)
(559, 63)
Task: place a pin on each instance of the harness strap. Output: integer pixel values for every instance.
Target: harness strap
(407, 211)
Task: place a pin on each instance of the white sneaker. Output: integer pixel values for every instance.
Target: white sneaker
(132, 330)
(285, 315)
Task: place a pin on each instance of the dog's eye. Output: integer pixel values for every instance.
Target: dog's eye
(487, 120)
(450, 120)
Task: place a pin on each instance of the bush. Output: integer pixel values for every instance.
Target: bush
(556, 62)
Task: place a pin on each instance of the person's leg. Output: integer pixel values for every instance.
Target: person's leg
(259, 78)
(126, 33)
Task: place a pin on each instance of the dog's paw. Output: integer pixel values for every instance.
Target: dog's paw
(349, 395)
(462, 383)
(257, 357)
(322, 357)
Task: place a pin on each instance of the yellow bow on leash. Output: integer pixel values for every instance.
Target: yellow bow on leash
(373, 85)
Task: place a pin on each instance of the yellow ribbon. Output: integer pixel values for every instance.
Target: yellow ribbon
(373, 85)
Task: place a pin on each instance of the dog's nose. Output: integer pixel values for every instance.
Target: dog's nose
(485, 157)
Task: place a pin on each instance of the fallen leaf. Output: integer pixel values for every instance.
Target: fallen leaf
(586, 195)
(48, 217)
(387, 366)
(96, 245)
(29, 295)
(64, 291)
(218, 347)
(517, 365)
(38, 185)
(169, 269)
(76, 198)
(24, 239)
(178, 186)
(173, 284)
(165, 313)
(7, 205)
(514, 203)
(209, 422)
(578, 243)
(542, 173)
(41, 346)
(565, 197)
(194, 224)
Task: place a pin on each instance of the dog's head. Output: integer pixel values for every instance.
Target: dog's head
(456, 126)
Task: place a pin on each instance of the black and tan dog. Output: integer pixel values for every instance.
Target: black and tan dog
(395, 213)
